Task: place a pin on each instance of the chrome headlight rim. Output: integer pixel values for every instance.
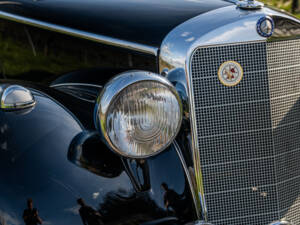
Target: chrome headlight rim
(114, 88)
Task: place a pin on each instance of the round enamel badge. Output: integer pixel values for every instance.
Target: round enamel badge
(265, 26)
(230, 73)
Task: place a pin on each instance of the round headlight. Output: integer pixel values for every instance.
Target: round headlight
(139, 114)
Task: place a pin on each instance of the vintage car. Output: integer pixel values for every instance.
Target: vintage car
(149, 112)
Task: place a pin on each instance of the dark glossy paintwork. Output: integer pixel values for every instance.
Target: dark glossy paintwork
(52, 153)
(32, 54)
(142, 21)
(47, 154)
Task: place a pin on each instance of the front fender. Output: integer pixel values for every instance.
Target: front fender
(34, 163)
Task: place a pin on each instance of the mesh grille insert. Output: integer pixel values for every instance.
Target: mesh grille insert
(249, 135)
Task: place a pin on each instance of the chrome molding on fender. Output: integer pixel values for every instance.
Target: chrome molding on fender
(188, 175)
(84, 91)
(81, 34)
(76, 85)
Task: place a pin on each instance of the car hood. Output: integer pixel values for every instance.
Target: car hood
(141, 21)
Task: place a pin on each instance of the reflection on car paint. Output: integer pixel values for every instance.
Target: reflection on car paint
(43, 161)
(42, 56)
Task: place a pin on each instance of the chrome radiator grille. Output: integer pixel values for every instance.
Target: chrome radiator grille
(249, 135)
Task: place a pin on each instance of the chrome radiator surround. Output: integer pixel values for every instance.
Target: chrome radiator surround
(228, 26)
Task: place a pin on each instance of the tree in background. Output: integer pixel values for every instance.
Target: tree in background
(295, 5)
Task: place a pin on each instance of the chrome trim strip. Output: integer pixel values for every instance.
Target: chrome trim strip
(188, 175)
(231, 1)
(81, 34)
(70, 88)
(195, 144)
(281, 223)
(76, 84)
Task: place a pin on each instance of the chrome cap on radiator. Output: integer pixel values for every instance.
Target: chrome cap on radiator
(250, 4)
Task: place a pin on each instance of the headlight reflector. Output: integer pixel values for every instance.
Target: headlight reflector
(139, 114)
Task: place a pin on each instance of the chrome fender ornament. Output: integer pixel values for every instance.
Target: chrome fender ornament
(14, 97)
(249, 4)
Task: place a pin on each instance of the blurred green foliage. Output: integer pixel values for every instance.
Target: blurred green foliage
(291, 6)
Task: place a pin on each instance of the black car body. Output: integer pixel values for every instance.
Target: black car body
(234, 67)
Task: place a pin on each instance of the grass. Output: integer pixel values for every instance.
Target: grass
(282, 4)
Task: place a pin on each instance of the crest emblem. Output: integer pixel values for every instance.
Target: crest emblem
(265, 26)
(230, 73)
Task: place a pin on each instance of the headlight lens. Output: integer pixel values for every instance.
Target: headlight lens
(142, 116)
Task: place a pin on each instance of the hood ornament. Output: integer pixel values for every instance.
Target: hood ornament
(249, 4)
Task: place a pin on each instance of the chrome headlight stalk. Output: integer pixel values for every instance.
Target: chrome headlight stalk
(139, 114)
